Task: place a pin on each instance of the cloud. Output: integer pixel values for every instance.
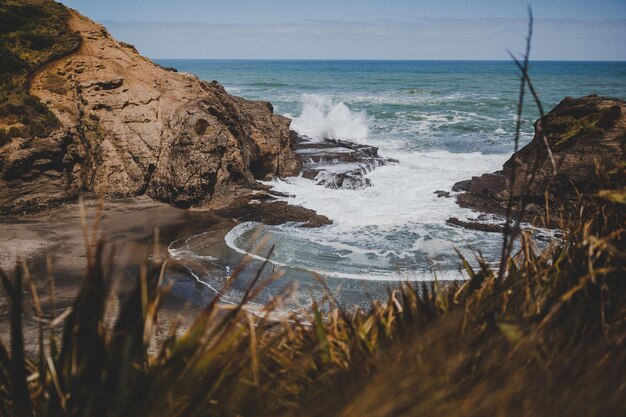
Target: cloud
(411, 38)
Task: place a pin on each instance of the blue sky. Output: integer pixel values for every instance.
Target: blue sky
(366, 29)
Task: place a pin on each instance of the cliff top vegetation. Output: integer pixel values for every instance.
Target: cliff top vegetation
(32, 33)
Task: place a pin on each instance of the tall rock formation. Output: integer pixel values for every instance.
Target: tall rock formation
(587, 136)
(130, 127)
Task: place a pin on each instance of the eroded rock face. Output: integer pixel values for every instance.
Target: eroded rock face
(337, 163)
(130, 127)
(583, 133)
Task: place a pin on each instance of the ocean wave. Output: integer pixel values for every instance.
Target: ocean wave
(322, 117)
(266, 84)
(399, 221)
(361, 265)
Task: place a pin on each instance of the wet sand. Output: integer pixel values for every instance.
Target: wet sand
(127, 226)
(53, 242)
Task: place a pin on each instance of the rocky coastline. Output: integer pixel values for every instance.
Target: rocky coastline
(587, 137)
(128, 128)
(147, 139)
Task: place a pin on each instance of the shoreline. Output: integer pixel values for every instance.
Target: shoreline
(127, 226)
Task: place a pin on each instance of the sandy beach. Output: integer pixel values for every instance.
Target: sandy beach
(127, 226)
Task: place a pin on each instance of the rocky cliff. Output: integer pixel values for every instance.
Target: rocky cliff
(587, 136)
(129, 127)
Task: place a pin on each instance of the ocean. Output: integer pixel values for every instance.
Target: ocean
(444, 121)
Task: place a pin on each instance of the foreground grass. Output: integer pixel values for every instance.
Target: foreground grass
(546, 339)
(542, 336)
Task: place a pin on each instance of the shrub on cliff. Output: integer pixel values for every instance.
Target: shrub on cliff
(32, 33)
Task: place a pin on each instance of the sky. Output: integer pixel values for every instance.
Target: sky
(364, 29)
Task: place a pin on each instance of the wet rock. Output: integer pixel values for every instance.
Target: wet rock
(442, 194)
(274, 212)
(475, 225)
(279, 194)
(337, 163)
(461, 185)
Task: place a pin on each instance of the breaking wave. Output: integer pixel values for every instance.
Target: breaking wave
(321, 118)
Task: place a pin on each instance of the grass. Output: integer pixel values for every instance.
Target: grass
(546, 339)
(32, 33)
(542, 335)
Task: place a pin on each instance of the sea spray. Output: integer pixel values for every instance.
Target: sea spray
(321, 118)
(384, 232)
(443, 121)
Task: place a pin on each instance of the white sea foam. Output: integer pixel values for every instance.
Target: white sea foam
(364, 267)
(401, 193)
(322, 117)
(399, 220)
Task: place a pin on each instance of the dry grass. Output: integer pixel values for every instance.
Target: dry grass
(546, 339)
(543, 335)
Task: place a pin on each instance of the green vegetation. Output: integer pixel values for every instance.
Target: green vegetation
(546, 339)
(543, 335)
(32, 33)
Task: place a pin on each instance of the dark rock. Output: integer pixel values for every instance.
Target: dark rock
(279, 194)
(488, 185)
(441, 193)
(473, 225)
(263, 196)
(461, 185)
(583, 133)
(337, 163)
(275, 212)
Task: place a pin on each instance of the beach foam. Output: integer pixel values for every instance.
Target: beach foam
(394, 230)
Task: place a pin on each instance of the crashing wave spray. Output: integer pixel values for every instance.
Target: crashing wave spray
(322, 118)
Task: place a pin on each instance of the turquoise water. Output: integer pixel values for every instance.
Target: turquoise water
(443, 105)
(443, 121)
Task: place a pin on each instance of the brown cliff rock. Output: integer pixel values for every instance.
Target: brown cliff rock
(130, 127)
(584, 134)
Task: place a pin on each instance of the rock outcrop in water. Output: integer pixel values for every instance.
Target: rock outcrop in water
(585, 134)
(130, 127)
(337, 163)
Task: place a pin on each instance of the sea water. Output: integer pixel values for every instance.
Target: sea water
(443, 121)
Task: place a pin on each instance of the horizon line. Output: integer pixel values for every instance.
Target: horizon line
(389, 60)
